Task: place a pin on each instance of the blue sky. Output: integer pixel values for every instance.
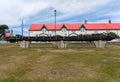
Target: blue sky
(68, 11)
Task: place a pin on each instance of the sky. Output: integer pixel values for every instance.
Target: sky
(12, 12)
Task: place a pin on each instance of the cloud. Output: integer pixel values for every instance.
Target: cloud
(41, 11)
(78, 6)
(71, 8)
(12, 13)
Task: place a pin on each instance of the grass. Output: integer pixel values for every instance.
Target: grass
(46, 63)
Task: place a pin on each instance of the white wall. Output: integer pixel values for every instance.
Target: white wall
(66, 33)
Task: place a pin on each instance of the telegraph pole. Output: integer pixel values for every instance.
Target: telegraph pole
(22, 28)
(55, 21)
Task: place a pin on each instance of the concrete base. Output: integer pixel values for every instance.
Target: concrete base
(62, 44)
(24, 44)
(100, 44)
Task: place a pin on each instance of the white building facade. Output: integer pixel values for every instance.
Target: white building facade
(73, 29)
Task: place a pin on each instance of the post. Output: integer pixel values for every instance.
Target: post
(24, 44)
(100, 44)
(55, 21)
(62, 44)
(22, 29)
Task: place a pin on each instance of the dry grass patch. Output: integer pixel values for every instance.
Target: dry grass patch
(46, 68)
(63, 51)
(40, 66)
(49, 64)
(115, 59)
(12, 64)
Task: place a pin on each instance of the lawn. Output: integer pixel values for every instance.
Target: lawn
(47, 63)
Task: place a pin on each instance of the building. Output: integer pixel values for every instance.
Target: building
(73, 29)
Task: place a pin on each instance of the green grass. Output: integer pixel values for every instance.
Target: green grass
(47, 63)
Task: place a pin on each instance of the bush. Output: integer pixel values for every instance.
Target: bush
(113, 35)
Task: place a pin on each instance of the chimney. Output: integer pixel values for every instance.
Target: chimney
(85, 21)
(109, 22)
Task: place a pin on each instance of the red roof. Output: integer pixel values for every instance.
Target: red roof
(99, 26)
(114, 26)
(73, 26)
(7, 34)
(36, 27)
(52, 26)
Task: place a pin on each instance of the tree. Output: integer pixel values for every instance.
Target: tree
(3, 27)
(18, 36)
(112, 34)
(2, 31)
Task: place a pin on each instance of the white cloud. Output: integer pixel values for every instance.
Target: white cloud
(69, 8)
(12, 12)
(78, 6)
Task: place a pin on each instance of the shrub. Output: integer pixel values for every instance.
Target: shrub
(113, 35)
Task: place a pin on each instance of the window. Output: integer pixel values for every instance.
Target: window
(96, 31)
(43, 30)
(53, 32)
(82, 29)
(36, 35)
(63, 29)
(73, 31)
(107, 31)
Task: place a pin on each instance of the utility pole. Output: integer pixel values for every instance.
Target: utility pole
(55, 21)
(22, 28)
